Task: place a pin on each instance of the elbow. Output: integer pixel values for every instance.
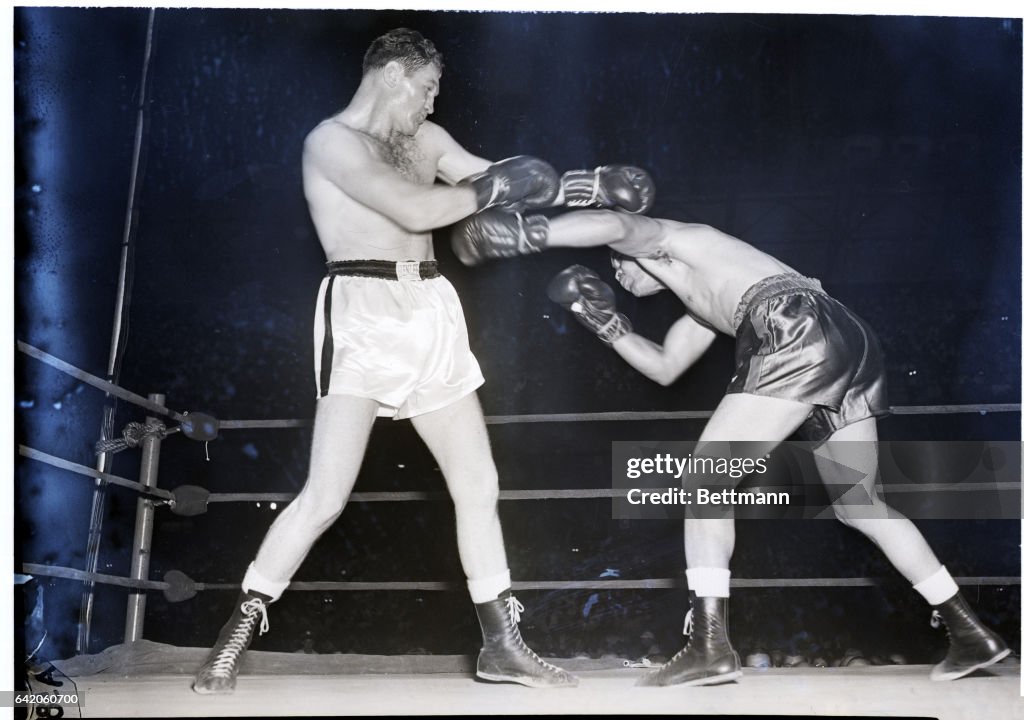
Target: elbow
(416, 218)
(417, 224)
(663, 375)
(425, 216)
(664, 379)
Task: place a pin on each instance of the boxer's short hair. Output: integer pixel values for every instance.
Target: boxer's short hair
(406, 46)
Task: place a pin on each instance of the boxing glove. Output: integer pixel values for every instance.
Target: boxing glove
(591, 300)
(515, 184)
(498, 234)
(621, 187)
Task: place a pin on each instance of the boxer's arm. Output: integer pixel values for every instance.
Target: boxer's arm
(684, 343)
(522, 182)
(633, 235)
(339, 155)
(494, 234)
(454, 162)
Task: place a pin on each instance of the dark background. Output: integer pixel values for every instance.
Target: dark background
(879, 154)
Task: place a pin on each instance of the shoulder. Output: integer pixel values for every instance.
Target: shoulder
(331, 139)
(331, 132)
(675, 230)
(433, 136)
(431, 130)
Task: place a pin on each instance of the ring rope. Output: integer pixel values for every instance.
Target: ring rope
(67, 573)
(263, 424)
(124, 394)
(629, 415)
(582, 494)
(947, 487)
(91, 472)
(638, 584)
(97, 382)
(982, 408)
(415, 495)
(420, 495)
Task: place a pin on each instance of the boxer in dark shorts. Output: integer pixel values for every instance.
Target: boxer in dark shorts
(795, 341)
(804, 365)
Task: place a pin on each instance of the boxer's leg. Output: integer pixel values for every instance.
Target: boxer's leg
(340, 433)
(457, 437)
(853, 451)
(709, 658)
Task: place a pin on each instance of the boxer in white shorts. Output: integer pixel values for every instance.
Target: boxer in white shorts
(397, 342)
(397, 338)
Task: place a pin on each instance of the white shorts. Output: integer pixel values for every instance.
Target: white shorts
(402, 343)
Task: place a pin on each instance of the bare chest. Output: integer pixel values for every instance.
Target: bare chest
(407, 156)
(705, 295)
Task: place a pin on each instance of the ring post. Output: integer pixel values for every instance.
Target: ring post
(136, 614)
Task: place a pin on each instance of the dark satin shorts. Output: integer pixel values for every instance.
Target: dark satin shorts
(795, 341)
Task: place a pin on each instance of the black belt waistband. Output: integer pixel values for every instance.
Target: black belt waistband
(385, 269)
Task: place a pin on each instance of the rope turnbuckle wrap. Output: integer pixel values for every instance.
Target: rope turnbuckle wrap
(133, 435)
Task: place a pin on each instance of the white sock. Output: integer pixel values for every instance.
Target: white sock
(708, 581)
(938, 588)
(483, 590)
(254, 581)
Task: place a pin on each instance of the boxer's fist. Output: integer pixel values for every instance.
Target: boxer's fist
(580, 290)
(515, 184)
(498, 234)
(622, 187)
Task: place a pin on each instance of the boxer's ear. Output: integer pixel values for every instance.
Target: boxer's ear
(393, 73)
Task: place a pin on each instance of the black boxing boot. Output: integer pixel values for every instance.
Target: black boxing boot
(708, 658)
(218, 673)
(504, 656)
(972, 646)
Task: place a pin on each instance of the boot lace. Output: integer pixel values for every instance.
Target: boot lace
(226, 662)
(936, 619)
(687, 631)
(514, 607)
(515, 612)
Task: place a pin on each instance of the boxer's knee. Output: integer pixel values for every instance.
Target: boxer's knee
(317, 510)
(475, 494)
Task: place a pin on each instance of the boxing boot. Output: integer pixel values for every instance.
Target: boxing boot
(219, 672)
(972, 646)
(708, 658)
(504, 656)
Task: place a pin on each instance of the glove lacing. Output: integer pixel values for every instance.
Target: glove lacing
(597, 185)
(575, 182)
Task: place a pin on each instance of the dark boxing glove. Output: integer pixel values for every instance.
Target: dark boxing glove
(580, 290)
(622, 187)
(498, 234)
(515, 184)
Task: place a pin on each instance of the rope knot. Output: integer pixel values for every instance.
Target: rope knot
(132, 436)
